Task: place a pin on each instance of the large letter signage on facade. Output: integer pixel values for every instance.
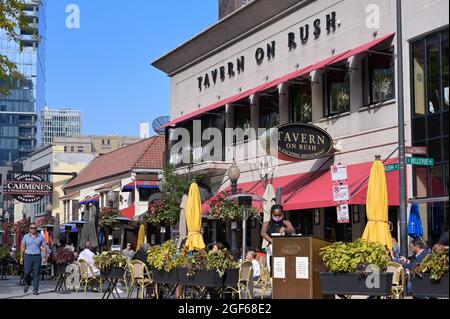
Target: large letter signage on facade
(301, 142)
(28, 188)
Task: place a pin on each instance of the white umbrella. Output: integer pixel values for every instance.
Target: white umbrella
(182, 226)
(270, 200)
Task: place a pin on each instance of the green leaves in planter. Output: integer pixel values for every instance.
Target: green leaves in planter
(227, 210)
(353, 257)
(108, 260)
(162, 257)
(435, 264)
(107, 216)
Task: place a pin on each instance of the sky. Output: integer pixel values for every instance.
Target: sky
(103, 67)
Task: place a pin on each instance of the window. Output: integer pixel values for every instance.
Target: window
(429, 82)
(72, 149)
(337, 91)
(301, 103)
(242, 116)
(269, 115)
(65, 149)
(80, 149)
(379, 77)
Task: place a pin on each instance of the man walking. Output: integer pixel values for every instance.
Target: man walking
(34, 247)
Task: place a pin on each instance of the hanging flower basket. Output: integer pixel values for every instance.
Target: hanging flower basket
(107, 216)
(22, 226)
(227, 210)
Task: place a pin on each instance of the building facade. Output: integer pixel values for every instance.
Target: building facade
(331, 64)
(59, 123)
(18, 110)
(227, 7)
(94, 144)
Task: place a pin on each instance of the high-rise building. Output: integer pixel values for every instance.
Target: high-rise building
(59, 123)
(227, 7)
(18, 110)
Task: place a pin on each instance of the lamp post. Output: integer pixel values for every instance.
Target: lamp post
(233, 174)
(111, 198)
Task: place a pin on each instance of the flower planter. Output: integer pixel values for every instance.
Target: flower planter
(231, 277)
(60, 268)
(164, 277)
(115, 273)
(425, 287)
(204, 278)
(350, 284)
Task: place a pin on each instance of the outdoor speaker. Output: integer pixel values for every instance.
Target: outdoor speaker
(245, 201)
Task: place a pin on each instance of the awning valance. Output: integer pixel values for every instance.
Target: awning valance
(128, 212)
(314, 190)
(306, 70)
(140, 185)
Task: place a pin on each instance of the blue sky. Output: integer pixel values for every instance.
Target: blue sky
(103, 68)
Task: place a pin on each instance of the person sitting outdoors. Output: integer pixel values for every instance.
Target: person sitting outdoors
(419, 254)
(88, 256)
(128, 253)
(251, 256)
(142, 254)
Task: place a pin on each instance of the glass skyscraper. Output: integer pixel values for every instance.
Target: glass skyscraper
(18, 111)
(59, 123)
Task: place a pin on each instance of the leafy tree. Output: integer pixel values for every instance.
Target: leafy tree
(12, 20)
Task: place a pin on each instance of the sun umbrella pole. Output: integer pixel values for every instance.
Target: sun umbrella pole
(244, 232)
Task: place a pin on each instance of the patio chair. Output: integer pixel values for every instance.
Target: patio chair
(245, 281)
(141, 278)
(263, 282)
(87, 276)
(398, 279)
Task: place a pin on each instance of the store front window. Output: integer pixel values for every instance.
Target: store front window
(430, 77)
(269, 111)
(301, 103)
(302, 222)
(337, 91)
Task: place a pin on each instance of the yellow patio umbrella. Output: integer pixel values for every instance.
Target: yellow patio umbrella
(194, 219)
(141, 237)
(377, 229)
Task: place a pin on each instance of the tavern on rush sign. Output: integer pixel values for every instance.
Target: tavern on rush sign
(302, 142)
(28, 188)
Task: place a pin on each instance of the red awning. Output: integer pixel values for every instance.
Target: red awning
(326, 62)
(128, 212)
(314, 190)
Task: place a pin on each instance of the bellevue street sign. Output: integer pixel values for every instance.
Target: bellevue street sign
(416, 161)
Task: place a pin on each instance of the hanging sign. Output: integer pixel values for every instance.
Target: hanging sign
(339, 173)
(340, 193)
(28, 188)
(343, 215)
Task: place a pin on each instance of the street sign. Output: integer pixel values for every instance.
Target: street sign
(339, 173)
(343, 215)
(391, 167)
(420, 161)
(340, 193)
(417, 150)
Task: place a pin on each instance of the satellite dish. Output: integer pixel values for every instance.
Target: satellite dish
(159, 122)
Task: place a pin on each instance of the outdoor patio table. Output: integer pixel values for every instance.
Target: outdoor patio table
(61, 282)
(112, 284)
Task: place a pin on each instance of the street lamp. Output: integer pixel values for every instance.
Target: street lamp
(233, 174)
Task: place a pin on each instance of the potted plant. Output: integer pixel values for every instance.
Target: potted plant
(227, 210)
(430, 277)
(111, 263)
(61, 258)
(356, 268)
(163, 262)
(107, 216)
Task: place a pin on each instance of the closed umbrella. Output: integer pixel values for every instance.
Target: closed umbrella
(269, 201)
(141, 236)
(182, 227)
(84, 231)
(377, 228)
(92, 231)
(56, 231)
(194, 219)
(415, 229)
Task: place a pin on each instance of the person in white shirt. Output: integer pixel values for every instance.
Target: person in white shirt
(251, 256)
(88, 256)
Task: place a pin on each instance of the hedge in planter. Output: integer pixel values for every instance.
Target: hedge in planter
(61, 258)
(111, 263)
(350, 264)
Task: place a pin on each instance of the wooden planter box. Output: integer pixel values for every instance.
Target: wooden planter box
(163, 277)
(60, 268)
(425, 287)
(231, 277)
(115, 273)
(204, 278)
(350, 284)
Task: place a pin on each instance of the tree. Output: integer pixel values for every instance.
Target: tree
(12, 20)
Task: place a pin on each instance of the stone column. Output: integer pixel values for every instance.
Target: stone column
(283, 92)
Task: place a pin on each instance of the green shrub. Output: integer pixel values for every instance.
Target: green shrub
(436, 265)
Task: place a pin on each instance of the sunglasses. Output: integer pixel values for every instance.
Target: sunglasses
(33, 227)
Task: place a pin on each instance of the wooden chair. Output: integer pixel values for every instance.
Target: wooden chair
(87, 276)
(398, 279)
(141, 278)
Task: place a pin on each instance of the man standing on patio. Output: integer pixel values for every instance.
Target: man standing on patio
(34, 247)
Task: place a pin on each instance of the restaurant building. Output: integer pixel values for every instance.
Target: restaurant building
(332, 64)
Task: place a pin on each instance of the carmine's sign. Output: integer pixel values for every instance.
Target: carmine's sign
(28, 188)
(302, 142)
